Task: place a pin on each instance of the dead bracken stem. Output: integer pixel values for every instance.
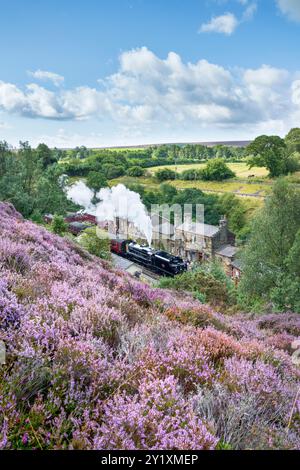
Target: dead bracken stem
(35, 435)
(293, 409)
(120, 386)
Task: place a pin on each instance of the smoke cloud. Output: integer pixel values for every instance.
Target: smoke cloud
(118, 201)
(80, 194)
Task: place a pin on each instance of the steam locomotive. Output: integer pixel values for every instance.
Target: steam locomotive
(157, 261)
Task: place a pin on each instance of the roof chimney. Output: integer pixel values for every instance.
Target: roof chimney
(223, 221)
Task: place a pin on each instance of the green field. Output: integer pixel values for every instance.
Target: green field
(240, 188)
(240, 169)
(251, 202)
(148, 182)
(258, 190)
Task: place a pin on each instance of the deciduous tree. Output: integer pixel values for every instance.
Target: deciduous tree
(273, 249)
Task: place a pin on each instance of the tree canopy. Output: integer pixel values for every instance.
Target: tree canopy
(272, 254)
(292, 140)
(217, 170)
(165, 174)
(136, 171)
(31, 182)
(96, 180)
(95, 241)
(271, 152)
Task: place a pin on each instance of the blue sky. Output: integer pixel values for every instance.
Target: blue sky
(120, 72)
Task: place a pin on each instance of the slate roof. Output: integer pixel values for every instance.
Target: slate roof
(227, 251)
(237, 264)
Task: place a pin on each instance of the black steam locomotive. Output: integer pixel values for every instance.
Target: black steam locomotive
(159, 262)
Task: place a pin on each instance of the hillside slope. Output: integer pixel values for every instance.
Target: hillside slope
(96, 360)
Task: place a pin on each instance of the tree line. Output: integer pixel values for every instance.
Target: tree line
(32, 180)
(279, 156)
(215, 170)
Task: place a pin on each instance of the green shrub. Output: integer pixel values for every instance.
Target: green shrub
(165, 174)
(208, 283)
(112, 171)
(217, 170)
(96, 242)
(58, 225)
(136, 171)
(96, 180)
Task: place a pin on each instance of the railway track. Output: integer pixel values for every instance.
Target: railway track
(133, 268)
(150, 273)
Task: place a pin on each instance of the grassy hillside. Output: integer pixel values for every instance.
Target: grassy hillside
(250, 189)
(97, 360)
(240, 169)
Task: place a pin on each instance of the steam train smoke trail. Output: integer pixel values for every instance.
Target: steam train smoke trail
(80, 194)
(118, 201)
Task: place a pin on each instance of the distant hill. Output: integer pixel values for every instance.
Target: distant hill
(229, 143)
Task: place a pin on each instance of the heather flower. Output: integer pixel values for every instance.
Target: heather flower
(10, 311)
(278, 323)
(156, 418)
(98, 360)
(281, 341)
(263, 381)
(14, 256)
(25, 438)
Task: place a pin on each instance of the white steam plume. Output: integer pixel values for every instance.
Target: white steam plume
(80, 194)
(118, 201)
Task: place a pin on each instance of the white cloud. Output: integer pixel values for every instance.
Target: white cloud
(11, 98)
(265, 76)
(43, 75)
(200, 92)
(228, 23)
(225, 24)
(67, 139)
(37, 101)
(83, 102)
(296, 92)
(291, 8)
(4, 125)
(269, 89)
(249, 12)
(148, 94)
